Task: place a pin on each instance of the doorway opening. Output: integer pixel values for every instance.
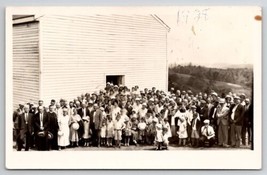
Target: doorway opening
(115, 79)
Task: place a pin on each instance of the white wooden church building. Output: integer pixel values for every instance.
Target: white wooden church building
(57, 56)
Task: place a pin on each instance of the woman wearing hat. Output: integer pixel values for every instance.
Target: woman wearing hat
(182, 123)
(75, 124)
(64, 130)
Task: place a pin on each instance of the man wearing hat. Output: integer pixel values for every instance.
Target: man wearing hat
(236, 122)
(207, 134)
(53, 123)
(25, 126)
(222, 116)
(203, 111)
(41, 125)
(84, 114)
(97, 120)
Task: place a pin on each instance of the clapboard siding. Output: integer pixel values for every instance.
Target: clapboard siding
(25, 63)
(79, 51)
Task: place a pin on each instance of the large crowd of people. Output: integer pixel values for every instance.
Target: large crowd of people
(118, 116)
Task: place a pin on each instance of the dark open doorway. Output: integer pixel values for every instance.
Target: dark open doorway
(115, 79)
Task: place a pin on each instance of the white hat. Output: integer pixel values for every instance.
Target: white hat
(228, 96)
(155, 120)
(242, 94)
(95, 104)
(236, 97)
(214, 93)
(221, 100)
(75, 126)
(206, 121)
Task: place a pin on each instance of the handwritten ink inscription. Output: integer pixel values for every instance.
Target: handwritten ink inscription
(186, 16)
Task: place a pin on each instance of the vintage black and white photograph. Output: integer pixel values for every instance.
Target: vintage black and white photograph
(118, 82)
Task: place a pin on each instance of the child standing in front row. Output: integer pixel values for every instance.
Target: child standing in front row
(142, 128)
(165, 138)
(128, 132)
(110, 130)
(159, 136)
(103, 133)
(118, 127)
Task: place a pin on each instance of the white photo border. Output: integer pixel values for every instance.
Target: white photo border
(206, 159)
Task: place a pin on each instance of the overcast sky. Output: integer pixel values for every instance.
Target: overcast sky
(212, 36)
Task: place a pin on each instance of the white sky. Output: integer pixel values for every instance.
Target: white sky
(213, 35)
(208, 36)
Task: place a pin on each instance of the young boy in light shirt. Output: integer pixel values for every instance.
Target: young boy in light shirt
(118, 127)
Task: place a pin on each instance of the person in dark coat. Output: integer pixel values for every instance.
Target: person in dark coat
(203, 111)
(41, 125)
(195, 128)
(97, 119)
(236, 122)
(15, 122)
(53, 127)
(84, 113)
(25, 121)
(246, 128)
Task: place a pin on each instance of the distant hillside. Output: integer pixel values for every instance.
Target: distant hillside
(198, 78)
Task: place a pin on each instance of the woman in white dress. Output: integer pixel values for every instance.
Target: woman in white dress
(64, 130)
(74, 122)
(182, 123)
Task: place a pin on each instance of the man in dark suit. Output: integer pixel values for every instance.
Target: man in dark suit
(195, 128)
(213, 119)
(53, 125)
(15, 122)
(41, 125)
(97, 119)
(246, 128)
(203, 111)
(25, 121)
(236, 121)
(84, 113)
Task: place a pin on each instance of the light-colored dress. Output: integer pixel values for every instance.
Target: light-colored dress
(159, 135)
(182, 123)
(167, 125)
(86, 121)
(63, 123)
(74, 137)
(110, 129)
(103, 131)
(128, 129)
(141, 126)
